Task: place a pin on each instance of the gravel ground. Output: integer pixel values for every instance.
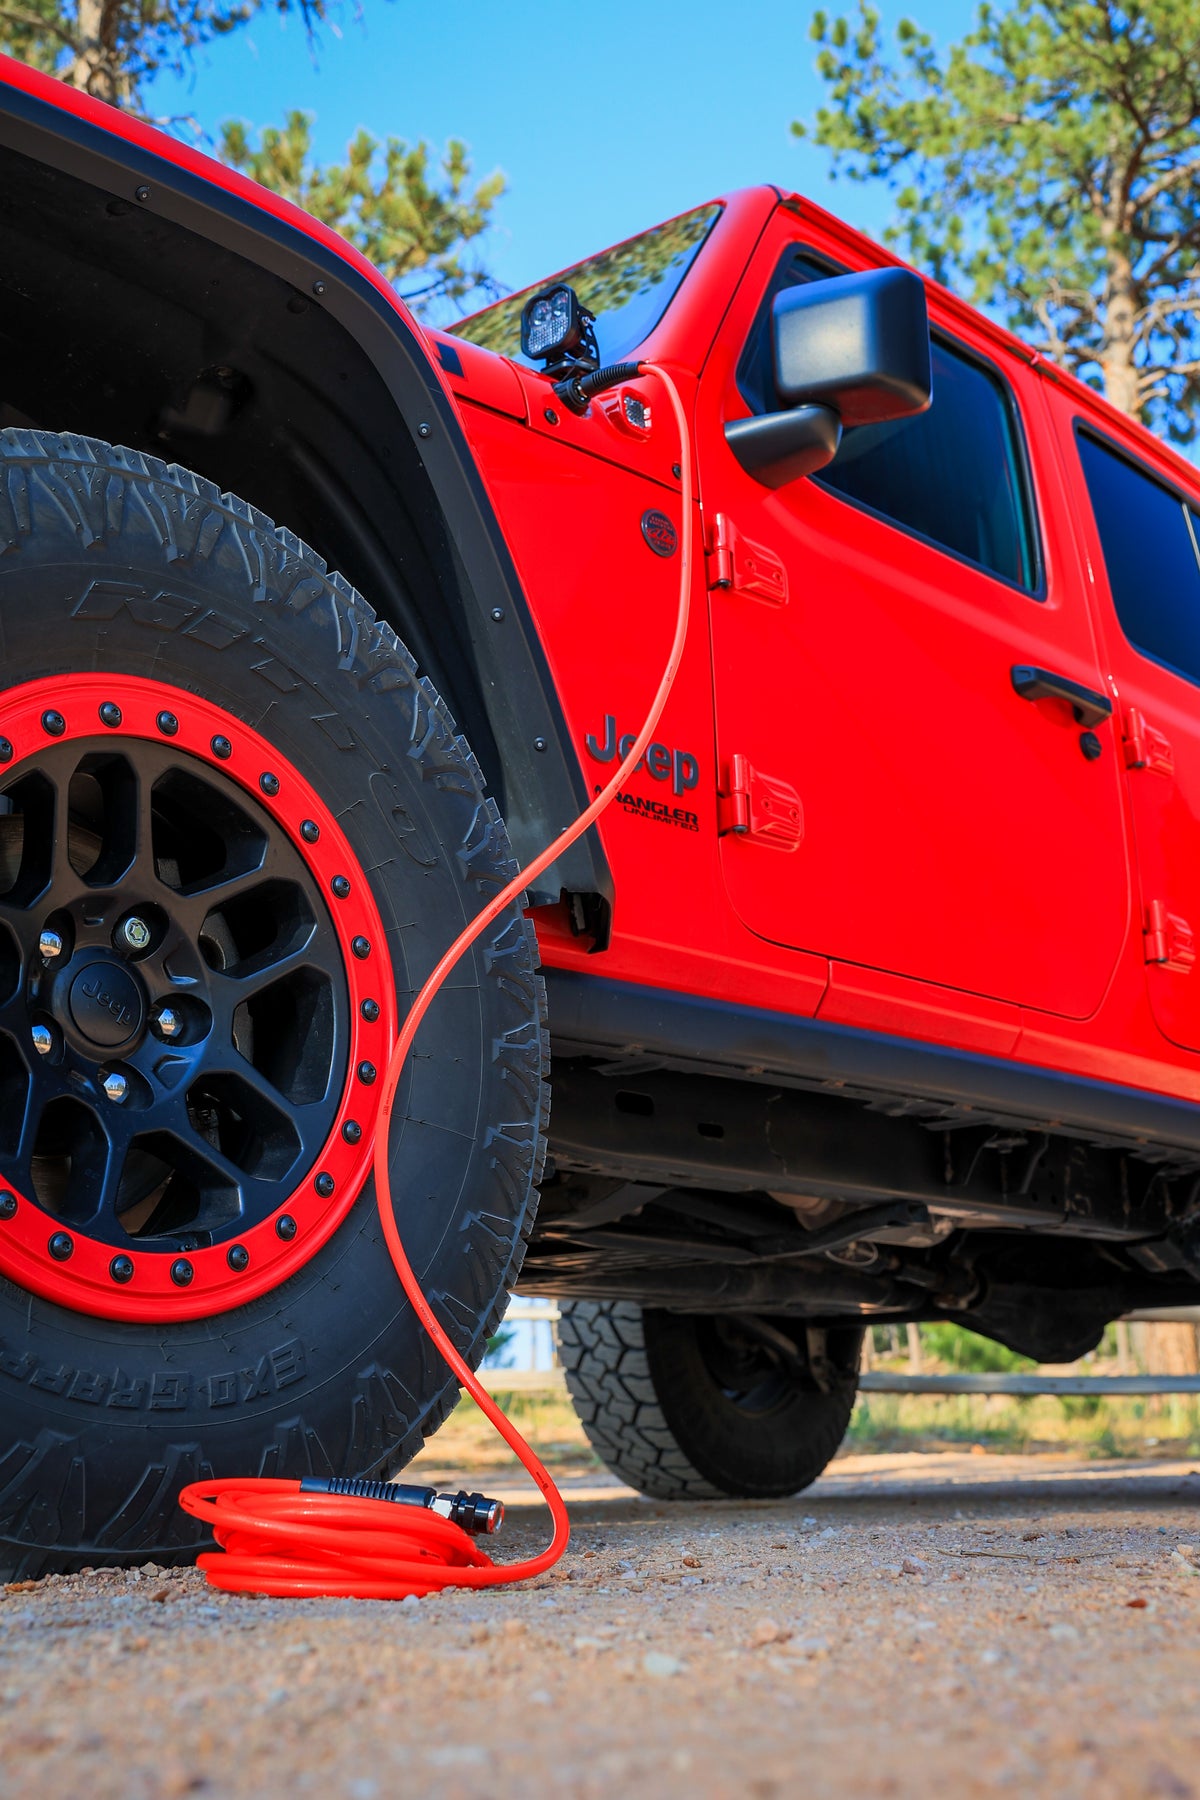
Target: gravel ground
(951, 1624)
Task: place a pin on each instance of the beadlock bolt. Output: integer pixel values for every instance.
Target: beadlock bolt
(121, 1269)
(6, 750)
(285, 1227)
(53, 724)
(8, 1205)
(50, 945)
(167, 723)
(269, 784)
(221, 748)
(115, 1086)
(370, 1011)
(182, 1272)
(61, 1246)
(136, 933)
(324, 1185)
(310, 831)
(366, 1073)
(238, 1258)
(361, 947)
(110, 715)
(340, 886)
(352, 1131)
(43, 1039)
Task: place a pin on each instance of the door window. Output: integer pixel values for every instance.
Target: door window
(1148, 536)
(954, 475)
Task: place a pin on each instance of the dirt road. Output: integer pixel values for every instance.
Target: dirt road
(940, 1624)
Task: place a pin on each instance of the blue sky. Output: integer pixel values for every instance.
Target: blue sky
(627, 114)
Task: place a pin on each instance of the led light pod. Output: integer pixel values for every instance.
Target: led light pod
(554, 324)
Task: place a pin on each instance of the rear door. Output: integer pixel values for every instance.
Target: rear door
(891, 801)
(1141, 529)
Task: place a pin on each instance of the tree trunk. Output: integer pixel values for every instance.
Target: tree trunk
(1116, 357)
(1171, 1349)
(96, 65)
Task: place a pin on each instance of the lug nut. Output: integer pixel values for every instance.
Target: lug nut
(43, 1039)
(50, 945)
(116, 1087)
(136, 933)
(168, 1022)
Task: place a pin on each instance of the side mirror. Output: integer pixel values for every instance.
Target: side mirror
(855, 346)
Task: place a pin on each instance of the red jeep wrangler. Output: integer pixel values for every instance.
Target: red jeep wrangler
(873, 997)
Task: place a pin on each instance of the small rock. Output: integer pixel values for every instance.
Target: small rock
(767, 1632)
(1182, 1563)
(691, 1562)
(912, 1565)
(1064, 1633)
(659, 1665)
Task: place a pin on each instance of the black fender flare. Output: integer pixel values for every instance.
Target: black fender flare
(501, 686)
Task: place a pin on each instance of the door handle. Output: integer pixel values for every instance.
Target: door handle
(1090, 708)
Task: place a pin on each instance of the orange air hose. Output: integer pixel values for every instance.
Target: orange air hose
(275, 1537)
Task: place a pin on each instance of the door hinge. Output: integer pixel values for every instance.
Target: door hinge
(760, 807)
(1144, 747)
(1169, 940)
(744, 567)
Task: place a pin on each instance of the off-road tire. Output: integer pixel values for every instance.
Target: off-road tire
(654, 1414)
(111, 561)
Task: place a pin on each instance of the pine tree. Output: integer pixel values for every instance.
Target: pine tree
(1048, 165)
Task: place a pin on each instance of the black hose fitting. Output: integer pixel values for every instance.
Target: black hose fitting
(474, 1512)
(576, 390)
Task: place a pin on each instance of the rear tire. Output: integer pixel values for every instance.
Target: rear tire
(118, 571)
(688, 1407)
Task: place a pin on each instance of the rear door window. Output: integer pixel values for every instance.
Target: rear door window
(1149, 538)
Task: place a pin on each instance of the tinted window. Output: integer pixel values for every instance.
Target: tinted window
(1147, 535)
(628, 288)
(954, 474)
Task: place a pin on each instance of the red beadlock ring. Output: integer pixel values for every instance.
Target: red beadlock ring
(84, 1283)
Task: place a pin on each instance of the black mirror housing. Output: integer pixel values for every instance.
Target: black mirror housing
(856, 343)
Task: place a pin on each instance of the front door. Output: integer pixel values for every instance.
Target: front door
(864, 631)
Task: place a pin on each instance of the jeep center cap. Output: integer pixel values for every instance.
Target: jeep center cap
(107, 1004)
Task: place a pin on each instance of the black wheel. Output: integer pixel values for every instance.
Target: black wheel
(695, 1407)
(236, 831)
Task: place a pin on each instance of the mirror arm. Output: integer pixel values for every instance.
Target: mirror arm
(776, 448)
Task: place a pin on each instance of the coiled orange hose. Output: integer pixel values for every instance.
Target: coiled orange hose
(277, 1540)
